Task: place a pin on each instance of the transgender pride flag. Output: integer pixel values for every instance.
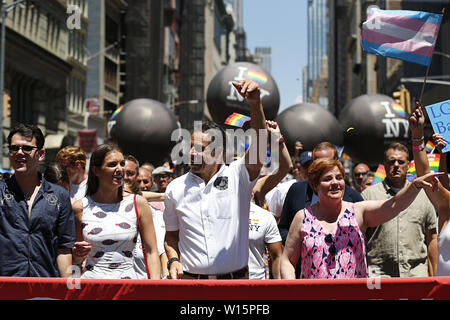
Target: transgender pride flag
(401, 34)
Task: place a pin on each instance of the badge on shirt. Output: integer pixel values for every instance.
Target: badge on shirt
(221, 183)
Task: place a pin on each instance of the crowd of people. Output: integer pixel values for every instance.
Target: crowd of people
(118, 219)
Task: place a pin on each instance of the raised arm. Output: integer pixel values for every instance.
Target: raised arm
(440, 199)
(376, 212)
(267, 183)
(251, 92)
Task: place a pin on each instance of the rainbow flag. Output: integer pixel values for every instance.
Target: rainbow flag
(257, 76)
(401, 34)
(433, 162)
(115, 113)
(380, 175)
(237, 119)
(429, 147)
(398, 109)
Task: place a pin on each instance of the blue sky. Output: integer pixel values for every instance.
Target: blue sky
(281, 25)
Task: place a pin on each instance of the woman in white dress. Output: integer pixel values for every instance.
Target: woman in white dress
(107, 224)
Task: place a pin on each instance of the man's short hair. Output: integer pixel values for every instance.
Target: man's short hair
(28, 131)
(129, 157)
(68, 155)
(327, 145)
(397, 146)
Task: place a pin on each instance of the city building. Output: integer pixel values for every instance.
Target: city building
(317, 50)
(206, 45)
(264, 57)
(37, 69)
(105, 55)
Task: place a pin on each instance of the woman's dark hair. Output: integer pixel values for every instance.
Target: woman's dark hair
(56, 173)
(97, 159)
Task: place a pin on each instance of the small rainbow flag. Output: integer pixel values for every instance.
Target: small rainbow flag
(433, 161)
(380, 175)
(257, 76)
(237, 119)
(115, 113)
(429, 147)
(398, 109)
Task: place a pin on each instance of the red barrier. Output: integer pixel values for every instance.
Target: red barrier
(353, 289)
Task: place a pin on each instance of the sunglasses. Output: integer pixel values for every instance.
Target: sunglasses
(329, 240)
(360, 174)
(13, 149)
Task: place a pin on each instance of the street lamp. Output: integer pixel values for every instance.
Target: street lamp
(5, 9)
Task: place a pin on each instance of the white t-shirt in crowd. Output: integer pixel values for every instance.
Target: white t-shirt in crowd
(212, 219)
(78, 191)
(263, 230)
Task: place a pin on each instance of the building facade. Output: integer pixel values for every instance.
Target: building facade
(37, 69)
(317, 50)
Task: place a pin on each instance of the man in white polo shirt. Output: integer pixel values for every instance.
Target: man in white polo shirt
(207, 209)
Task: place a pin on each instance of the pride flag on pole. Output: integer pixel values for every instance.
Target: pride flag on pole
(401, 34)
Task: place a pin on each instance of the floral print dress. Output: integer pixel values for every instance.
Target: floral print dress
(340, 254)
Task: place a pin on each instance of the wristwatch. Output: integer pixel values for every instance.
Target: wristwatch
(170, 262)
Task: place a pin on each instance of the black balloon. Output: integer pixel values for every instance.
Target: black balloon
(370, 123)
(223, 99)
(311, 124)
(143, 129)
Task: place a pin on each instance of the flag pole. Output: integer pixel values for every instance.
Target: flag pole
(428, 68)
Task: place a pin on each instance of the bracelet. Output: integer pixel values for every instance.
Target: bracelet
(280, 139)
(417, 139)
(170, 262)
(420, 147)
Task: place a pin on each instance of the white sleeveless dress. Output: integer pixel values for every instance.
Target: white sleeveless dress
(112, 231)
(443, 267)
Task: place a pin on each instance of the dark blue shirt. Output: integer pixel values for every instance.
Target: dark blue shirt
(29, 246)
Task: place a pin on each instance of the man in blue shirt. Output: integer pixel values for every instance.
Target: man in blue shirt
(37, 228)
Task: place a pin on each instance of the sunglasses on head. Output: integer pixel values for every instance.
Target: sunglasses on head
(13, 149)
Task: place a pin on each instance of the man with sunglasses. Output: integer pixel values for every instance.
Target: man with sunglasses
(37, 228)
(359, 172)
(405, 246)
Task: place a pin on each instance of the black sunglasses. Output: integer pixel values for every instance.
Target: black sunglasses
(329, 240)
(360, 173)
(13, 149)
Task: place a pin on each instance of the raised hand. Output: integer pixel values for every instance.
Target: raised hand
(439, 141)
(417, 120)
(430, 180)
(249, 90)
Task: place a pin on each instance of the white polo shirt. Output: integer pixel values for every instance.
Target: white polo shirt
(263, 229)
(212, 219)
